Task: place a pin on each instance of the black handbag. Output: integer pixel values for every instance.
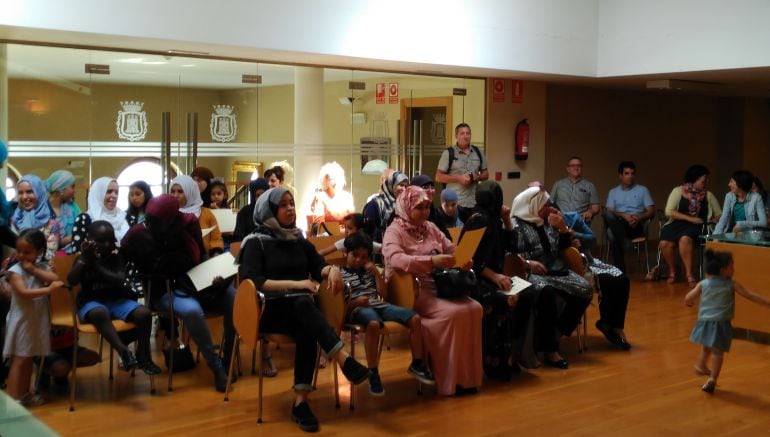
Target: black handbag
(183, 358)
(453, 283)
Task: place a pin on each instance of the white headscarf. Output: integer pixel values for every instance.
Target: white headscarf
(97, 210)
(528, 203)
(191, 192)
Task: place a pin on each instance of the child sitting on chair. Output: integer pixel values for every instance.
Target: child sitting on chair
(354, 223)
(366, 307)
(105, 295)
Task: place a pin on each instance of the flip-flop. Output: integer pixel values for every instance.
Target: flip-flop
(268, 368)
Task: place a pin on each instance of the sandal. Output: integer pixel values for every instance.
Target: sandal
(691, 281)
(268, 368)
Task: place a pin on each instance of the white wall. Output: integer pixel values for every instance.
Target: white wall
(543, 36)
(660, 36)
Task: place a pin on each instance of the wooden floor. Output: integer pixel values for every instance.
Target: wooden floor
(650, 390)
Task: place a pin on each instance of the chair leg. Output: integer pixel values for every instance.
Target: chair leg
(173, 337)
(39, 374)
(74, 372)
(258, 355)
(236, 342)
(254, 362)
(111, 358)
(336, 385)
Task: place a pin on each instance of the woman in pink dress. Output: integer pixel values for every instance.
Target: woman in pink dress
(451, 328)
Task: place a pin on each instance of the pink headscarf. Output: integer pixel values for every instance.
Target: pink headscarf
(405, 203)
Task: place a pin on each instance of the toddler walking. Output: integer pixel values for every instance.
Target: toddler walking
(27, 332)
(715, 311)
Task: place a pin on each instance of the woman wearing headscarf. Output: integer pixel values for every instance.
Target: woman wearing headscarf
(34, 212)
(61, 191)
(499, 313)
(379, 210)
(540, 234)
(186, 192)
(168, 244)
(102, 205)
(202, 177)
(451, 328)
(139, 194)
(287, 268)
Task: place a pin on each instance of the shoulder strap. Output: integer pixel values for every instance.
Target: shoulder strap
(451, 151)
(478, 152)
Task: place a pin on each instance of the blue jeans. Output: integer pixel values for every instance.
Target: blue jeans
(192, 313)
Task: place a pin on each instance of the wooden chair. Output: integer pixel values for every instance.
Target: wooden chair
(324, 241)
(64, 313)
(247, 312)
(574, 260)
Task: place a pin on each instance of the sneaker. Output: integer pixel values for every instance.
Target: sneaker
(31, 400)
(127, 361)
(354, 371)
(421, 373)
(375, 384)
(149, 368)
(304, 417)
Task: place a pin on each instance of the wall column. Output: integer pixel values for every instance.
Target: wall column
(308, 130)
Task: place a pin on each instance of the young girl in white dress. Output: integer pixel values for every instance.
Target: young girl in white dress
(715, 311)
(28, 319)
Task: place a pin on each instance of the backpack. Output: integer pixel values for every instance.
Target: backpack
(451, 151)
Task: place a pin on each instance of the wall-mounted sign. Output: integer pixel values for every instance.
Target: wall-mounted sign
(132, 121)
(223, 127)
(393, 92)
(518, 91)
(379, 92)
(498, 90)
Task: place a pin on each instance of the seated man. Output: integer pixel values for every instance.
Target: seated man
(628, 206)
(574, 193)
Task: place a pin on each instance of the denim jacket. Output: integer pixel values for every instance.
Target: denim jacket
(755, 214)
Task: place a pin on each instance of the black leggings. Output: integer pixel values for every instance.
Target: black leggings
(614, 299)
(141, 317)
(549, 324)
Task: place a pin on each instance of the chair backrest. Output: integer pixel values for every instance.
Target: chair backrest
(513, 265)
(235, 248)
(402, 288)
(324, 241)
(62, 304)
(573, 259)
(332, 306)
(246, 312)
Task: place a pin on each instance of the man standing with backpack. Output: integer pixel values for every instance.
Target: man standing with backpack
(461, 167)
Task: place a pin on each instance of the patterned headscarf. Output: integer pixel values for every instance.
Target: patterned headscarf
(59, 180)
(97, 210)
(406, 202)
(387, 198)
(528, 203)
(40, 214)
(191, 192)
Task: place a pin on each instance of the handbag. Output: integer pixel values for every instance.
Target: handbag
(183, 358)
(453, 283)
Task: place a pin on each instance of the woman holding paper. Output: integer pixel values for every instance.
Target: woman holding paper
(167, 245)
(186, 192)
(505, 316)
(540, 234)
(451, 328)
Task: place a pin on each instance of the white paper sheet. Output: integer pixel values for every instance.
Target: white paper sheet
(467, 247)
(206, 231)
(204, 273)
(517, 284)
(225, 219)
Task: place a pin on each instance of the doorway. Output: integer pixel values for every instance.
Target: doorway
(426, 130)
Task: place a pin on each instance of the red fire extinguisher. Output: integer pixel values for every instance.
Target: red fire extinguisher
(522, 140)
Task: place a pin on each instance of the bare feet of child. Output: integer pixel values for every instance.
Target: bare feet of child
(701, 370)
(709, 386)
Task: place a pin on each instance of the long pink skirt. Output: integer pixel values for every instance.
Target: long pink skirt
(451, 331)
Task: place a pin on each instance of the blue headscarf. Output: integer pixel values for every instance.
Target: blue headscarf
(41, 214)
